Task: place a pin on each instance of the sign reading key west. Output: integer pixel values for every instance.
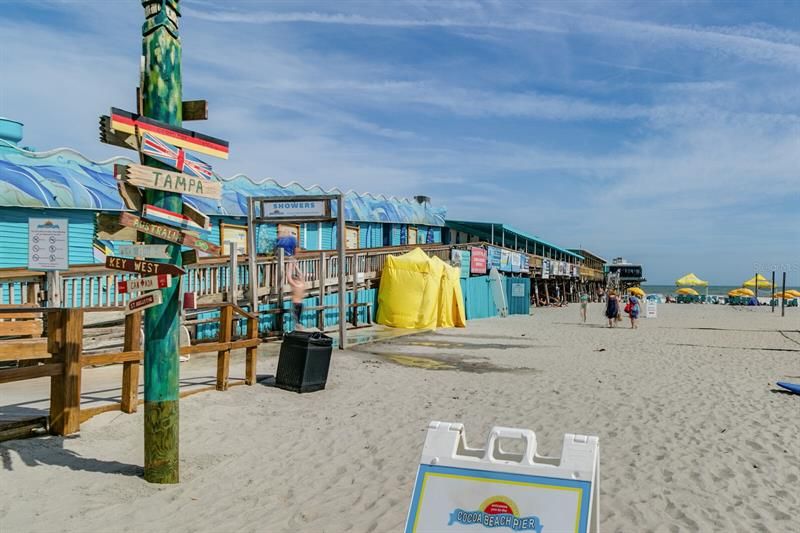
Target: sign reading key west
(142, 267)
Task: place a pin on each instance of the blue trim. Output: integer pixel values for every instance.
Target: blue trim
(586, 487)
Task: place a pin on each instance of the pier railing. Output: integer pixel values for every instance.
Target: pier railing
(61, 357)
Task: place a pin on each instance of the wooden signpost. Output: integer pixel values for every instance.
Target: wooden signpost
(122, 122)
(168, 234)
(145, 301)
(195, 215)
(178, 220)
(141, 266)
(150, 283)
(168, 180)
(150, 251)
(131, 196)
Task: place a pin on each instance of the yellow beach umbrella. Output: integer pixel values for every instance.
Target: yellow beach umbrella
(690, 280)
(794, 293)
(687, 290)
(741, 292)
(785, 295)
(637, 291)
(763, 283)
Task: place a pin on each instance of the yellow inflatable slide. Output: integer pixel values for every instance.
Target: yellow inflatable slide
(420, 292)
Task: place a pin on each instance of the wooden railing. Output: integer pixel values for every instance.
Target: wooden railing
(94, 286)
(61, 358)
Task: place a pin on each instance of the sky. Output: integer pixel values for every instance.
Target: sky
(664, 132)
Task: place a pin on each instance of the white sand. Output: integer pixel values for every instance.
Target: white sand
(693, 438)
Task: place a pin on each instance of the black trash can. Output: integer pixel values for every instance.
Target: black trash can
(304, 361)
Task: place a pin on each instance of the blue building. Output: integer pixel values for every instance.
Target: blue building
(63, 183)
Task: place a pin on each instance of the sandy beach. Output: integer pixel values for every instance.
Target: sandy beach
(693, 434)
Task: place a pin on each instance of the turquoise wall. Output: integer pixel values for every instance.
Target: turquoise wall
(478, 301)
(14, 232)
(518, 305)
(268, 322)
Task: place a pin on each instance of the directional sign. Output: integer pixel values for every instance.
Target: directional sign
(176, 157)
(133, 124)
(150, 251)
(149, 283)
(131, 196)
(199, 218)
(168, 234)
(168, 180)
(158, 214)
(145, 301)
(141, 267)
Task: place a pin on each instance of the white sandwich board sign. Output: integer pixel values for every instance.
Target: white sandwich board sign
(464, 489)
(48, 244)
(651, 311)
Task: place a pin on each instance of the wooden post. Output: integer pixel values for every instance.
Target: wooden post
(279, 282)
(130, 369)
(252, 352)
(323, 276)
(65, 389)
(251, 256)
(160, 93)
(53, 281)
(224, 356)
(233, 277)
(341, 245)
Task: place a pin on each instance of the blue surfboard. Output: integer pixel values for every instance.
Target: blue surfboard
(794, 387)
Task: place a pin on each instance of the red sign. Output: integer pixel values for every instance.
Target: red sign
(477, 260)
(160, 281)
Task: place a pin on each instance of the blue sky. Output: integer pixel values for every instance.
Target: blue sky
(665, 132)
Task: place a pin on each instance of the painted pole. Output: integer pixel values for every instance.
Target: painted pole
(161, 100)
(783, 300)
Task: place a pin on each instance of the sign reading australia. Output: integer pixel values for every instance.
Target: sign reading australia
(288, 209)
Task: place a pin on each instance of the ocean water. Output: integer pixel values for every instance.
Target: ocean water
(719, 290)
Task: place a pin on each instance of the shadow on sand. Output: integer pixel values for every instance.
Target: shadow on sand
(51, 451)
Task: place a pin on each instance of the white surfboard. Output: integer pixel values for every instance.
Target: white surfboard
(498, 294)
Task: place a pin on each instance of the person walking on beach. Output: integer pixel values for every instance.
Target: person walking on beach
(298, 294)
(632, 308)
(584, 305)
(612, 308)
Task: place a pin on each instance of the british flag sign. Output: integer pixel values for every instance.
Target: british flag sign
(175, 157)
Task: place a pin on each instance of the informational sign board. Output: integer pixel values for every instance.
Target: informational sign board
(545, 269)
(477, 260)
(491, 489)
(48, 244)
(505, 261)
(516, 262)
(235, 234)
(651, 310)
(461, 258)
(517, 289)
(294, 210)
(525, 263)
(494, 257)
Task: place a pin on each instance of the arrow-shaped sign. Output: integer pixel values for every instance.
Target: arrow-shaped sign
(145, 301)
(149, 283)
(168, 234)
(150, 251)
(142, 267)
(123, 122)
(168, 180)
(158, 214)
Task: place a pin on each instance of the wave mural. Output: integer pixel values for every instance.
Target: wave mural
(65, 179)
